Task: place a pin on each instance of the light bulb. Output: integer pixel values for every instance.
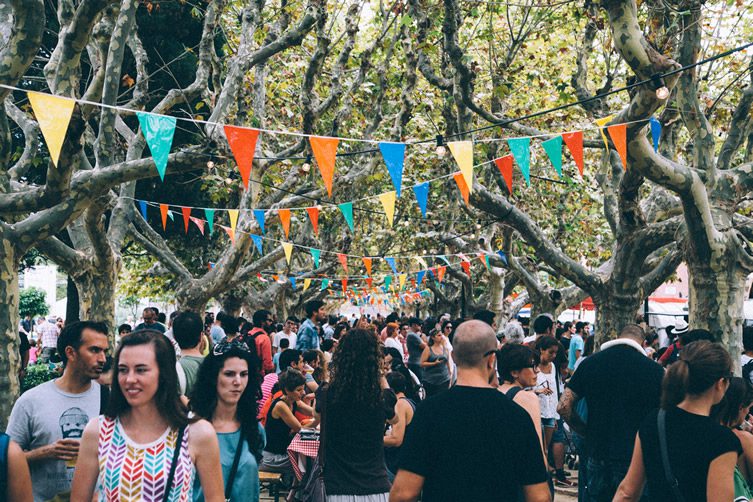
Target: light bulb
(210, 164)
(441, 150)
(662, 92)
(306, 167)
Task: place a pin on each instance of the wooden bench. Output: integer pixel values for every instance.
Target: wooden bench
(272, 482)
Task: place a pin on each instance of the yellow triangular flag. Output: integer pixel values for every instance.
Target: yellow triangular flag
(53, 114)
(388, 202)
(402, 278)
(233, 213)
(288, 248)
(601, 123)
(463, 153)
(306, 284)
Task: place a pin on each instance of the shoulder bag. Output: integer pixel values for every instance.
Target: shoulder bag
(234, 468)
(174, 464)
(671, 479)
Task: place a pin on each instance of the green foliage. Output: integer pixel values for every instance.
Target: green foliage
(39, 373)
(32, 302)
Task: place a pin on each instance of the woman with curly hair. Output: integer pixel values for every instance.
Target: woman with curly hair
(225, 393)
(354, 408)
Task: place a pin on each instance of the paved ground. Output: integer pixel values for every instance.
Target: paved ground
(560, 496)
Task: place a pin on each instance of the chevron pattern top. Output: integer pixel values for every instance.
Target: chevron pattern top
(131, 472)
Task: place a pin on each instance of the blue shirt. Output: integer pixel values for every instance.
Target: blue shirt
(576, 343)
(308, 336)
(246, 483)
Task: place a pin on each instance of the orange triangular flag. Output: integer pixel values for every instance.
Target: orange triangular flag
(199, 223)
(242, 143)
(230, 232)
(284, 215)
(504, 164)
(618, 133)
(466, 266)
(440, 272)
(325, 151)
(367, 264)
(343, 260)
(460, 180)
(163, 212)
(314, 217)
(186, 216)
(574, 142)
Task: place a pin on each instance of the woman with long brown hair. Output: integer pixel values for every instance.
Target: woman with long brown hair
(145, 447)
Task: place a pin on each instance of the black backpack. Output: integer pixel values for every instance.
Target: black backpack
(747, 370)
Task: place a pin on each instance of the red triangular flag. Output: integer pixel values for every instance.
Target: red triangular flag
(284, 215)
(345, 285)
(186, 216)
(242, 143)
(440, 272)
(343, 260)
(367, 264)
(618, 133)
(466, 266)
(369, 281)
(325, 151)
(314, 217)
(504, 164)
(163, 212)
(199, 223)
(462, 185)
(574, 142)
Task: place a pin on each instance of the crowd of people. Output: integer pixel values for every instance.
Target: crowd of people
(441, 409)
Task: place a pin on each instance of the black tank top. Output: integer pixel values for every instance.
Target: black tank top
(278, 432)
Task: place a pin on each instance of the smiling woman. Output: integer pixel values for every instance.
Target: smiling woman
(146, 436)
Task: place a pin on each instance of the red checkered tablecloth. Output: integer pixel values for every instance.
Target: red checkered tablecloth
(297, 453)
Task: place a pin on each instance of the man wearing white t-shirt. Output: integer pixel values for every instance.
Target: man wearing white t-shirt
(287, 332)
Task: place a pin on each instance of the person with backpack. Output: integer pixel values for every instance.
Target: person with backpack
(258, 338)
(48, 421)
(746, 359)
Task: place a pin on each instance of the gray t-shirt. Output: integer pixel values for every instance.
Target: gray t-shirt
(413, 341)
(44, 415)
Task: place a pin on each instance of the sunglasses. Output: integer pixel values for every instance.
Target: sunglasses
(490, 352)
(224, 347)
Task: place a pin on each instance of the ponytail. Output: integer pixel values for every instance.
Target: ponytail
(700, 366)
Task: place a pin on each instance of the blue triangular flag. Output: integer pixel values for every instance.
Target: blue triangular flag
(210, 219)
(259, 215)
(553, 149)
(444, 259)
(394, 156)
(292, 281)
(347, 210)
(258, 242)
(391, 263)
(422, 196)
(655, 131)
(420, 277)
(503, 256)
(520, 150)
(142, 205)
(170, 214)
(315, 254)
(158, 130)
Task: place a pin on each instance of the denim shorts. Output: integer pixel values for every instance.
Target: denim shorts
(559, 433)
(548, 423)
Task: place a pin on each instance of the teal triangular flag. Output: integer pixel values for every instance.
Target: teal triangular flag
(170, 215)
(444, 259)
(553, 148)
(258, 242)
(387, 282)
(292, 281)
(347, 210)
(259, 215)
(158, 130)
(391, 263)
(315, 254)
(325, 282)
(520, 150)
(209, 213)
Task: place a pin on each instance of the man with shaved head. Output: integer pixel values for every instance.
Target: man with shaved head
(471, 442)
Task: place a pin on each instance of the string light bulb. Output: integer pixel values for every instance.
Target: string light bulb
(210, 164)
(662, 92)
(441, 151)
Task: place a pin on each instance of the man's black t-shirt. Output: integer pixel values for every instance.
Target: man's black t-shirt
(693, 441)
(621, 385)
(472, 443)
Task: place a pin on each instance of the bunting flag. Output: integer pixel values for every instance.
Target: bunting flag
(618, 133)
(346, 209)
(466, 267)
(142, 207)
(314, 217)
(209, 213)
(504, 164)
(242, 143)
(284, 215)
(574, 142)
(325, 151)
(503, 256)
(258, 243)
(230, 232)
(422, 196)
(483, 260)
(288, 248)
(367, 264)
(53, 114)
(387, 282)
(163, 212)
(370, 282)
(325, 283)
(520, 148)
(199, 223)
(158, 130)
(259, 214)
(259, 276)
(444, 259)
(345, 285)
(186, 216)
(655, 132)
(315, 253)
(462, 151)
(343, 261)
(388, 203)
(394, 157)
(292, 281)
(464, 191)
(601, 123)
(420, 276)
(233, 214)
(391, 262)
(306, 284)
(553, 149)
(402, 278)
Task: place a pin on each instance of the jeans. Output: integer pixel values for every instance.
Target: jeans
(580, 447)
(603, 477)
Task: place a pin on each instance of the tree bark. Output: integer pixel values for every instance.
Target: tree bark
(10, 361)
